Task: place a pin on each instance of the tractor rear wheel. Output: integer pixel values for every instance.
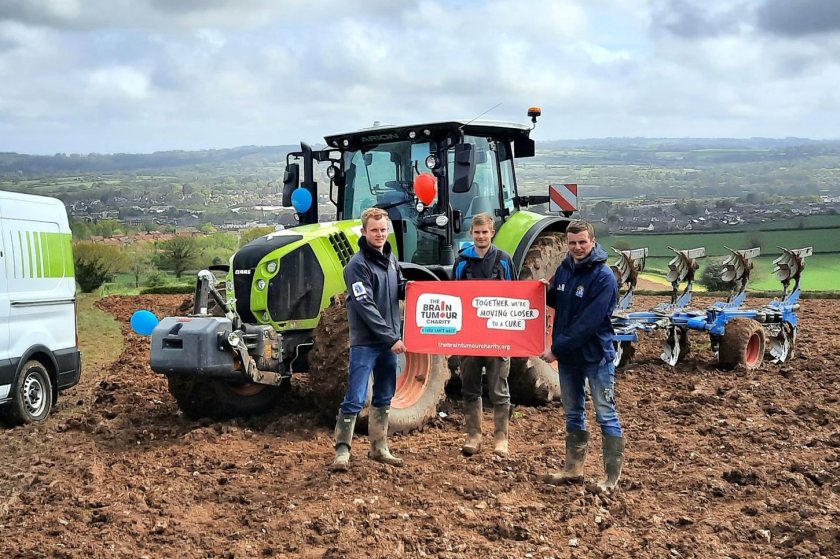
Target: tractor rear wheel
(742, 343)
(421, 378)
(531, 379)
(201, 397)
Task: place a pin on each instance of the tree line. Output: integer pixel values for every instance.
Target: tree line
(151, 264)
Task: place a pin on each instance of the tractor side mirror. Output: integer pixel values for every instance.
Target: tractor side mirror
(291, 181)
(464, 168)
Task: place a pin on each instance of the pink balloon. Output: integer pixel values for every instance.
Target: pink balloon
(425, 187)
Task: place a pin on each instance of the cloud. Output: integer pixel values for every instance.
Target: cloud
(800, 18)
(145, 75)
(692, 19)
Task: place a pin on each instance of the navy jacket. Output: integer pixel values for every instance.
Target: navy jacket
(496, 264)
(374, 289)
(583, 295)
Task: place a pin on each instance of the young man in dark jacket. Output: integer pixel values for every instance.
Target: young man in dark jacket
(584, 293)
(374, 288)
(484, 261)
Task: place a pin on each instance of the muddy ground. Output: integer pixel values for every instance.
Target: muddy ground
(719, 464)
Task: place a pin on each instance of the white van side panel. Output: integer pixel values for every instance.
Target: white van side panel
(40, 284)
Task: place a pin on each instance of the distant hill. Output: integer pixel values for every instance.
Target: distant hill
(109, 163)
(672, 152)
(664, 152)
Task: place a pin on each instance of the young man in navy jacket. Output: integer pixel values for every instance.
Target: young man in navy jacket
(374, 288)
(484, 261)
(583, 294)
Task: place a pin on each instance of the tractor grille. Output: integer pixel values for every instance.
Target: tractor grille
(342, 248)
(295, 292)
(245, 261)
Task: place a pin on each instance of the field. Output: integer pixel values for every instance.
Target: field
(719, 464)
(821, 270)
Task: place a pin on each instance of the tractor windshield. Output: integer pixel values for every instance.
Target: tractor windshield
(382, 176)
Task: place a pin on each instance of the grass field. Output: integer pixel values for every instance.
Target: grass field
(100, 338)
(820, 232)
(823, 240)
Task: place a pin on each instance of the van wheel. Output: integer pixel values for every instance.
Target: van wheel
(32, 395)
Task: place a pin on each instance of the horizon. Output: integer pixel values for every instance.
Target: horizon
(538, 142)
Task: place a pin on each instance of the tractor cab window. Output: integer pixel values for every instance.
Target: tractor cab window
(383, 176)
(484, 194)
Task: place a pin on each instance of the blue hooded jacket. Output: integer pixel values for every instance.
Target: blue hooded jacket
(583, 295)
(495, 264)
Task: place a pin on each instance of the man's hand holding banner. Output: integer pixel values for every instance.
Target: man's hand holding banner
(490, 318)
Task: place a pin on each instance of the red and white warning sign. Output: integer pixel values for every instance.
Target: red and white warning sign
(562, 197)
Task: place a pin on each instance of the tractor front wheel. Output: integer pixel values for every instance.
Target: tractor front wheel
(201, 397)
(532, 379)
(742, 343)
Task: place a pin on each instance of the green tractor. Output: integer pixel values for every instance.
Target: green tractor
(267, 324)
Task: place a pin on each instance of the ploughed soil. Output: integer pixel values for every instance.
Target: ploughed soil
(718, 464)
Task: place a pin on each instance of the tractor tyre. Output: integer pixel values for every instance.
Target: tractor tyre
(201, 397)
(531, 379)
(421, 378)
(742, 343)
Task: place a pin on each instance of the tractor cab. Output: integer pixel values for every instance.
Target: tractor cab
(471, 164)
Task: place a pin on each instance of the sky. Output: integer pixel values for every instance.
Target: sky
(137, 76)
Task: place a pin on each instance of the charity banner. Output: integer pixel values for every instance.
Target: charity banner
(490, 318)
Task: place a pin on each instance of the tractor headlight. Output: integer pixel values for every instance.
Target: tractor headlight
(261, 284)
(431, 162)
(332, 171)
(441, 221)
(420, 207)
(271, 267)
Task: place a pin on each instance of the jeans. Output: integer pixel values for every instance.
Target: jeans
(601, 378)
(383, 362)
(497, 369)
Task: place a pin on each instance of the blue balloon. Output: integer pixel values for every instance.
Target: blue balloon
(143, 322)
(301, 200)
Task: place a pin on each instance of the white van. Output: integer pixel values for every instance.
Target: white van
(39, 353)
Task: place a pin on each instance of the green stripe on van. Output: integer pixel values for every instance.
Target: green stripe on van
(57, 249)
(39, 267)
(30, 251)
(64, 241)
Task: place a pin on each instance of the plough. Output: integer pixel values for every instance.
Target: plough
(738, 335)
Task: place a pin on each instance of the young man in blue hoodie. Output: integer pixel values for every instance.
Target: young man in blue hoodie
(484, 261)
(583, 295)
